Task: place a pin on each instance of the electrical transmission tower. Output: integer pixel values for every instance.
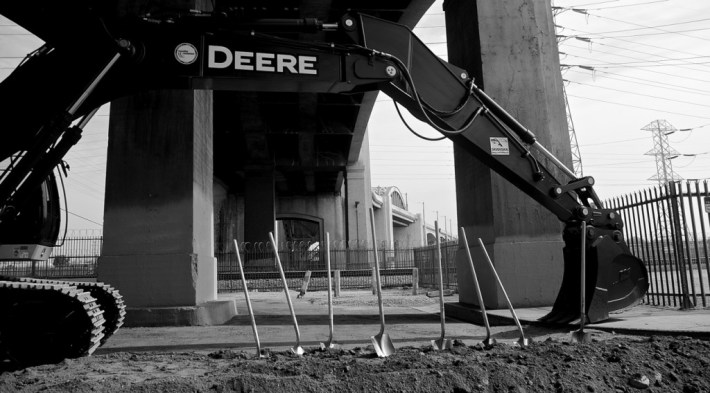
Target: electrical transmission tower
(665, 176)
(673, 221)
(576, 155)
(663, 152)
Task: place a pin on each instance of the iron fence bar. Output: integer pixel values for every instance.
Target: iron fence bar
(695, 246)
(678, 245)
(642, 240)
(687, 262)
(624, 202)
(672, 239)
(663, 216)
(647, 230)
(702, 225)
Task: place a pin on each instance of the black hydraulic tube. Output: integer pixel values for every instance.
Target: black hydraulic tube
(525, 135)
(30, 162)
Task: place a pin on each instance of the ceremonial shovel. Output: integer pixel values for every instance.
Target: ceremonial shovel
(297, 349)
(246, 294)
(382, 342)
(329, 344)
(441, 343)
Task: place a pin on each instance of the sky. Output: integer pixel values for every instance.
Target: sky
(626, 63)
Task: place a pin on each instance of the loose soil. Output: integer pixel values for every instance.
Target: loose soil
(610, 363)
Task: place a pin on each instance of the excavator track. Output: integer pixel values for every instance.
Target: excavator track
(108, 298)
(47, 322)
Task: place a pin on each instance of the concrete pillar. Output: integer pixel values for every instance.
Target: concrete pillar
(259, 205)
(158, 218)
(510, 49)
(360, 196)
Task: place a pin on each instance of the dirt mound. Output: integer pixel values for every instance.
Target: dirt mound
(608, 364)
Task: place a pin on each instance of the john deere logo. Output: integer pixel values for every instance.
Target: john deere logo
(185, 53)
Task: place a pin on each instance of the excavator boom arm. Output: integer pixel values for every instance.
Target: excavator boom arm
(199, 51)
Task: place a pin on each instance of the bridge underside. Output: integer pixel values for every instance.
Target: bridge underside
(240, 160)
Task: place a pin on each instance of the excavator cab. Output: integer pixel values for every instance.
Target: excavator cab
(32, 230)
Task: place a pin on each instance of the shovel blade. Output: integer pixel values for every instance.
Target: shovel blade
(328, 345)
(298, 350)
(383, 345)
(442, 344)
(614, 280)
(580, 336)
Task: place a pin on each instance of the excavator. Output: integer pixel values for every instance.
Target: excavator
(92, 59)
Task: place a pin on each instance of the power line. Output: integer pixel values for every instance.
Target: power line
(638, 43)
(641, 94)
(613, 142)
(649, 83)
(585, 66)
(653, 27)
(648, 27)
(640, 107)
(83, 218)
(638, 51)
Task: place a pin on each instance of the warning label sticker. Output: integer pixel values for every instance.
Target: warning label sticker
(499, 146)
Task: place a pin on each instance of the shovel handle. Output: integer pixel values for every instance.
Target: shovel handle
(481, 305)
(246, 295)
(441, 280)
(288, 295)
(330, 287)
(378, 286)
(502, 288)
(583, 278)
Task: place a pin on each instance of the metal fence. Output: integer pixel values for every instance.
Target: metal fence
(76, 257)
(668, 227)
(425, 261)
(354, 263)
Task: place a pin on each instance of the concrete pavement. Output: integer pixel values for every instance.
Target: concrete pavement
(410, 321)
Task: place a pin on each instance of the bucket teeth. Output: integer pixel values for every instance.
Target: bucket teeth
(615, 280)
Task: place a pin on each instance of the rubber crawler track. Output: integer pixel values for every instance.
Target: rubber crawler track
(107, 297)
(46, 321)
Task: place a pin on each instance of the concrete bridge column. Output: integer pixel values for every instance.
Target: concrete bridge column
(158, 220)
(259, 205)
(510, 49)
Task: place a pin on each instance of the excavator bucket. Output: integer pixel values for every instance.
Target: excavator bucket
(615, 279)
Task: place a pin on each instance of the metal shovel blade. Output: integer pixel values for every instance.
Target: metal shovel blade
(383, 345)
(328, 345)
(489, 342)
(298, 350)
(442, 344)
(580, 336)
(523, 341)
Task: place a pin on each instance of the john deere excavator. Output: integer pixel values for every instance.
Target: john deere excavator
(92, 59)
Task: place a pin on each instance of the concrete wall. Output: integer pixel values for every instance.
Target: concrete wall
(327, 207)
(412, 235)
